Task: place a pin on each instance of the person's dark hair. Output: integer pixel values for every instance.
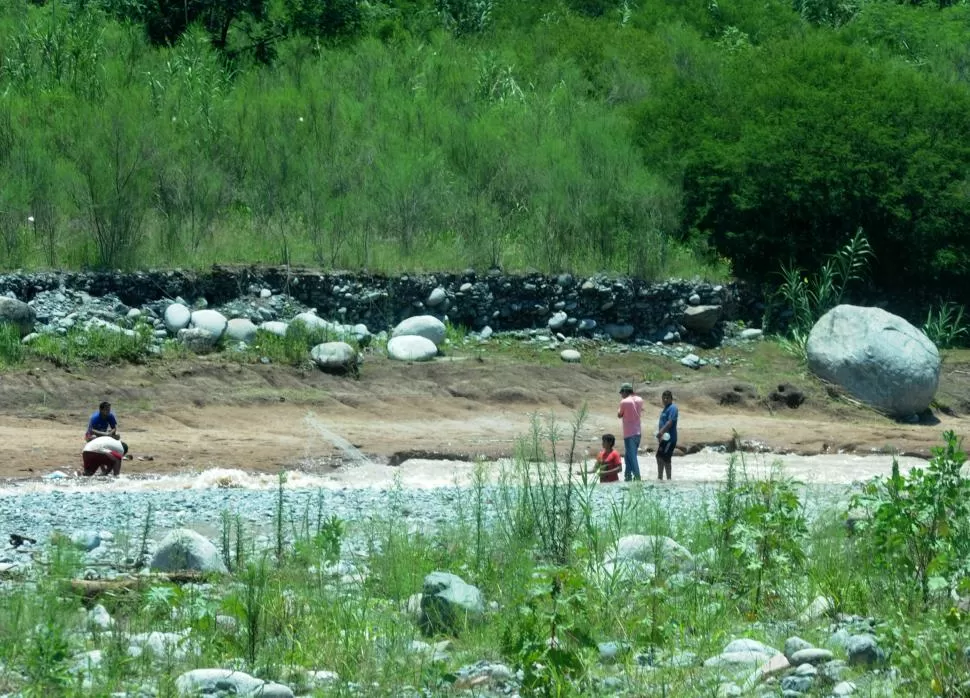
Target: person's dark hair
(104, 405)
(609, 439)
(124, 447)
(667, 393)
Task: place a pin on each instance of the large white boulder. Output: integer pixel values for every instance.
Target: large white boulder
(878, 357)
(241, 329)
(335, 356)
(177, 317)
(212, 321)
(426, 326)
(411, 348)
(185, 550)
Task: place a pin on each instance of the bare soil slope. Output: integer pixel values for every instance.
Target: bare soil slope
(210, 412)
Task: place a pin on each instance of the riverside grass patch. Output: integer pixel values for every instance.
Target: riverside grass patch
(310, 593)
(94, 345)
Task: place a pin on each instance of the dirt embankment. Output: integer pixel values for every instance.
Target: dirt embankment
(209, 412)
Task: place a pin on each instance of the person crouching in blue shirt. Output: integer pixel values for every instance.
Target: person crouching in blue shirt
(102, 423)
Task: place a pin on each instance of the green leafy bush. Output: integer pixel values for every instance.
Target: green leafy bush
(930, 653)
(550, 634)
(919, 524)
(762, 531)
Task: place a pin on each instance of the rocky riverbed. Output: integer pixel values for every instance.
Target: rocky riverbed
(419, 494)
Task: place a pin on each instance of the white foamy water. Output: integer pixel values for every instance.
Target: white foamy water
(698, 468)
(413, 474)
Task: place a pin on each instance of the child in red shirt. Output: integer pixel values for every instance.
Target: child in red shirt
(608, 462)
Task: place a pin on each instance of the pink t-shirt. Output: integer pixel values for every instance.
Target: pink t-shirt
(631, 408)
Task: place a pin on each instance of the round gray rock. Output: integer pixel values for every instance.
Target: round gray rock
(185, 550)
(86, 540)
(427, 326)
(276, 327)
(448, 603)
(810, 655)
(436, 297)
(878, 357)
(197, 340)
(313, 322)
(177, 317)
(651, 548)
(17, 313)
(334, 356)
(411, 348)
(701, 318)
(228, 682)
(570, 356)
(619, 332)
(241, 329)
(212, 321)
(863, 649)
(558, 320)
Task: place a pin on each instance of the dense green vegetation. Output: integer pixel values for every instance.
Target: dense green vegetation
(658, 138)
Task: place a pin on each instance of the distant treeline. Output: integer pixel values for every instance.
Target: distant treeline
(661, 138)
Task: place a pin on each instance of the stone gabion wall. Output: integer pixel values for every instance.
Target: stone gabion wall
(621, 307)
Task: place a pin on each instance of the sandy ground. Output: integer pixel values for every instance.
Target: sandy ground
(436, 418)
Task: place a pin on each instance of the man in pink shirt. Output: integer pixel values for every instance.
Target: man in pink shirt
(631, 407)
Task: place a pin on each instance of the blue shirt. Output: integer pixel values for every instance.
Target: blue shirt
(99, 423)
(669, 414)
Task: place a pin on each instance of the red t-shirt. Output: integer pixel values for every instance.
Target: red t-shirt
(610, 461)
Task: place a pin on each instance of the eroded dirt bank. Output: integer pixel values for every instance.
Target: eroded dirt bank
(211, 413)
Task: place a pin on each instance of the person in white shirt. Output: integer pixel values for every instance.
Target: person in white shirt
(104, 454)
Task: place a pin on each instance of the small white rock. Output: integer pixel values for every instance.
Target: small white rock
(570, 356)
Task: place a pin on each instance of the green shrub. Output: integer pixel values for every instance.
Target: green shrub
(548, 505)
(930, 651)
(808, 298)
(946, 327)
(550, 634)
(919, 524)
(761, 529)
(11, 349)
(293, 349)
